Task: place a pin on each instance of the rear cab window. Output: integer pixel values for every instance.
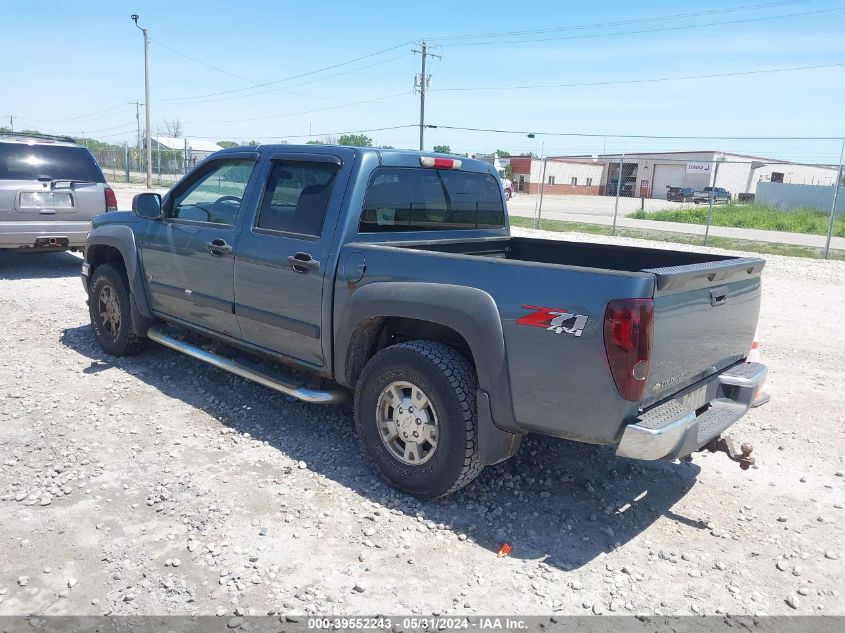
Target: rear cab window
(420, 199)
(25, 161)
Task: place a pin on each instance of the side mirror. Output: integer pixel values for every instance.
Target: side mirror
(147, 206)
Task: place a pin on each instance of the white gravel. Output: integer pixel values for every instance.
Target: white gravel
(111, 469)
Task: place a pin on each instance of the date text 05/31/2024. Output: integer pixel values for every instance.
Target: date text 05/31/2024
(493, 623)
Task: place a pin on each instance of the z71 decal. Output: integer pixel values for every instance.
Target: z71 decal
(556, 320)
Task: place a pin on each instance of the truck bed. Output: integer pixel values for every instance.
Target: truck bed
(565, 253)
(705, 310)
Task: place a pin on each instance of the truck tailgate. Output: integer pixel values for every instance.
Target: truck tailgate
(704, 320)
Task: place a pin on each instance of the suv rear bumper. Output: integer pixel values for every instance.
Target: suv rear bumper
(25, 234)
(694, 416)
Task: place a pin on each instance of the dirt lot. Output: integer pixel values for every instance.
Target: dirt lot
(157, 485)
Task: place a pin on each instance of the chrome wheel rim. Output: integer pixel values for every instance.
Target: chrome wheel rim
(109, 309)
(407, 423)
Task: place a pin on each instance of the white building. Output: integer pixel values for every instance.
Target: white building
(648, 174)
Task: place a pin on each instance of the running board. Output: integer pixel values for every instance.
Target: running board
(299, 391)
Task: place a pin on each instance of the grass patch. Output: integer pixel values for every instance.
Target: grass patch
(751, 216)
(729, 243)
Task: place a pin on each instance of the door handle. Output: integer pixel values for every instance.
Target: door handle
(303, 262)
(218, 247)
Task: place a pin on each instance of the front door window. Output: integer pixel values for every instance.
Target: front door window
(216, 196)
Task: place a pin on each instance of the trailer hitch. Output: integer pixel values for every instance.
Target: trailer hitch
(725, 445)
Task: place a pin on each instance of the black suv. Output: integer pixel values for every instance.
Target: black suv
(679, 194)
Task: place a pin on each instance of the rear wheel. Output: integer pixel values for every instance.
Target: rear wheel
(416, 418)
(111, 316)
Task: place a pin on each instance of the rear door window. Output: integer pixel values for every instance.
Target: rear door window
(23, 161)
(297, 197)
(417, 199)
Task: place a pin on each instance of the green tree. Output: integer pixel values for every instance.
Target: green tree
(503, 153)
(315, 141)
(509, 171)
(443, 149)
(225, 144)
(355, 140)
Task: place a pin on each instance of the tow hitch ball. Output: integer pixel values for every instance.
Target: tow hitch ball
(725, 445)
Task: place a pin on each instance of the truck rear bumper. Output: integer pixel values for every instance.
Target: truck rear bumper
(694, 416)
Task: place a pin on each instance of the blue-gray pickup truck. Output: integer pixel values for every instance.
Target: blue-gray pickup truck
(391, 277)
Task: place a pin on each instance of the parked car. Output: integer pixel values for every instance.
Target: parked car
(50, 189)
(679, 194)
(391, 277)
(719, 195)
(507, 187)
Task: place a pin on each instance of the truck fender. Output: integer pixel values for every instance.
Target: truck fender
(470, 312)
(122, 239)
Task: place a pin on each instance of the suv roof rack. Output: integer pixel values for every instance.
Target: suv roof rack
(47, 137)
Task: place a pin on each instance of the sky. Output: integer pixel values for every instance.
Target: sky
(271, 70)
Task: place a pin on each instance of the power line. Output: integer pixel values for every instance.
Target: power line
(654, 30)
(642, 81)
(298, 76)
(296, 85)
(202, 63)
(639, 136)
(598, 25)
(375, 129)
(287, 114)
(82, 116)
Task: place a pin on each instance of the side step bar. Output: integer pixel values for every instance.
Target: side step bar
(299, 391)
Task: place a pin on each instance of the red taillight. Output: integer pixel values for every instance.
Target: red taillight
(628, 330)
(440, 163)
(111, 200)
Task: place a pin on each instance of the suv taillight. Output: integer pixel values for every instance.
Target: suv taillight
(628, 332)
(111, 200)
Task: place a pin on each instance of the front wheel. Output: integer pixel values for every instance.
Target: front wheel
(416, 418)
(111, 316)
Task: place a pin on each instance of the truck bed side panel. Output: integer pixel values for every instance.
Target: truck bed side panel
(560, 381)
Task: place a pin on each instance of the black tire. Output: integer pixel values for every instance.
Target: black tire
(116, 340)
(508, 195)
(450, 382)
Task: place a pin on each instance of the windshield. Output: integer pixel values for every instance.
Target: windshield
(19, 161)
(415, 199)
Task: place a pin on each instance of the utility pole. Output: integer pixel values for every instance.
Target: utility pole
(423, 81)
(12, 122)
(134, 17)
(138, 105)
(833, 205)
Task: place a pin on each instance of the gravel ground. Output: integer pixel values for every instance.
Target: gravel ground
(159, 485)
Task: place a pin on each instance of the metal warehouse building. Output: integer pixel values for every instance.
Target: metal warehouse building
(649, 174)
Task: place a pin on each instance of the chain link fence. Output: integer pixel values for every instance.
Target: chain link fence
(128, 164)
(711, 198)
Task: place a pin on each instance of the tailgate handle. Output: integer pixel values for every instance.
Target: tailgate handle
(718, 296)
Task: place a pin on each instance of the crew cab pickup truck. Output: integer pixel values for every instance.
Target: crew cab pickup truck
(391, 277)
